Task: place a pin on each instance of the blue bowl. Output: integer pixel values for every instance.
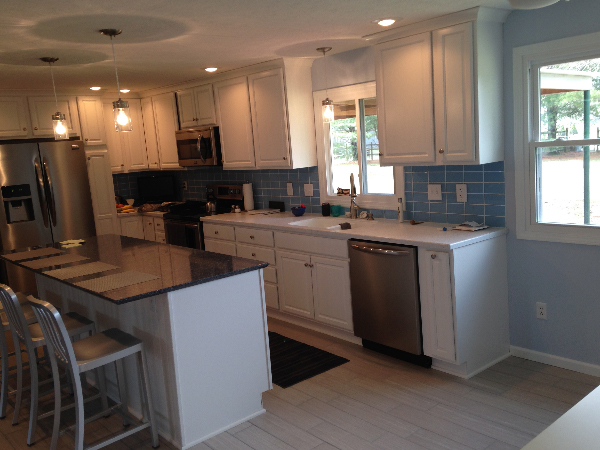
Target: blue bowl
(298, 211)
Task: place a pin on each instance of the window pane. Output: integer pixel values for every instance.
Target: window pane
(570, 100)
(562, 194)
(344, 148)
(378, 180)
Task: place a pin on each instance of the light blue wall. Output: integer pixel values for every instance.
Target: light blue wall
(565, 276)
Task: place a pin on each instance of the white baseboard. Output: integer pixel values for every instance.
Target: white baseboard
(558, 361)
(462, 370)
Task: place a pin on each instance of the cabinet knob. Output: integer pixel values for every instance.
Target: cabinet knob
(89, 158)
(285, 157)
(433, 256)
(251, 237)
(25, 129)
(216, 232)
(35, 128)
(122, 165)
(305, 264)
(254, 254)
(310, 265)
(441, 150)
(86, 139)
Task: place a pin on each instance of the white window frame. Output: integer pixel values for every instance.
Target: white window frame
(526, 61)
(365, 201)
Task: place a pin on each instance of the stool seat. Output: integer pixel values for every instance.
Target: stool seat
(103, 348)
(75, 324)
(27, 312)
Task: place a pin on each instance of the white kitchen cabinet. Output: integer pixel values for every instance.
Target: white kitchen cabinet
(103, 193)
(235, 123)
(196, 106)
(295, 277)
(148, 224)
(220, 246)
(41, 110)
(150, 133)
(91, 118)
(466, 96)
(132, 226)
(13, 117)
(165, 123)
(269, 119)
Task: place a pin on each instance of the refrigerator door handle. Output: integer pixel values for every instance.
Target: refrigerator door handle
(41, 191)
(52, 205)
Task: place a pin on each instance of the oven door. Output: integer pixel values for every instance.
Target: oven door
(184, 234)
(196, 148)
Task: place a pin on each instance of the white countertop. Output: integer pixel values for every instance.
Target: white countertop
(429, 234)
(147, 213)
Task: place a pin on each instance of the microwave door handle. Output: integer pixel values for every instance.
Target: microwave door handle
(200, 138)
(50, 192)
(41, 191)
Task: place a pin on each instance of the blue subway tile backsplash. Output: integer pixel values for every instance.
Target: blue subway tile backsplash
(485, 190)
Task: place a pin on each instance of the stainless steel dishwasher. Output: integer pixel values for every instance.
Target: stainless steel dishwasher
(386, 309)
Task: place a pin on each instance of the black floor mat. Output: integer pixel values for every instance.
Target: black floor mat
(293, 361)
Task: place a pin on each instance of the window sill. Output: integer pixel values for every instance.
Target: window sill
(566, 234)
(388, 203)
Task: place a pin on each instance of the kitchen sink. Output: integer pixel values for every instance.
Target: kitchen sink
(329, 223)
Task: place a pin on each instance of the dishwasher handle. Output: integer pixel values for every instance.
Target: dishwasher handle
(381, 251)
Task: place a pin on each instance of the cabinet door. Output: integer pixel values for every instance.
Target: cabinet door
(103, 192)
(296, 294)
(41, 110)
(403, 70)
(133, 141)
(150, 133)
(13, 117)
(271, 296)
(453, 88)
(92, 120)
(437, 309)
(205, 105)
(132, 227)
(217, 246)
(269, 119)
(235, 123)
(165, 121)
(331, 291)
(186, 108)
(149, 234)
(113, 140)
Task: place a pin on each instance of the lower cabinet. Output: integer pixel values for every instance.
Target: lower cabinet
(132, 226)
(315, 287)
(219, 246)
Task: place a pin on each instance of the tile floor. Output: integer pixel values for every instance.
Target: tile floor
(376, 402)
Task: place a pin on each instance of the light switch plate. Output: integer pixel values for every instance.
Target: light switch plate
(461, 193)
(434, 192)
(290, 188)
(308, 190)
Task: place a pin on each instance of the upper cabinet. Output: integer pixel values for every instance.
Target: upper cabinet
(266, 118)
(165, 124)
(465, 63)
(92, 120)
(41, 110)
(13, 117)
(150, 133)
(196, 106)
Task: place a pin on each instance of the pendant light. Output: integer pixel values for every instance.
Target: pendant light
(328, 113)
(59, 124)
(120, 107)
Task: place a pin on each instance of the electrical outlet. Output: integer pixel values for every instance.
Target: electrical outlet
(461, 193)
(308, 190)
(290, 188)
(434, 192)
(185, 185)
(540, 311)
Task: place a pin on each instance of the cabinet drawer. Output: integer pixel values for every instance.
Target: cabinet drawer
(223, 247)
(224, 232)
(255, 237)
(270, 274)
(149, 234)
(257, 253)
(336, 248)
(271, 296)
(160, 237)
(159, 225)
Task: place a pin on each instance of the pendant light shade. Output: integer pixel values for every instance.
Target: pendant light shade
(328, 112)
(120, 107)
(59, 124)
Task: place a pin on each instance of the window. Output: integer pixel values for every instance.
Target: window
(557, 140)
(349, 144)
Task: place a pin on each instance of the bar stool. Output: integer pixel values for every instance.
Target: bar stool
(5, 354)
(86, 354)
(32, 338)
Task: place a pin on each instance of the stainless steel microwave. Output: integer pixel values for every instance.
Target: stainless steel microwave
(199, 147)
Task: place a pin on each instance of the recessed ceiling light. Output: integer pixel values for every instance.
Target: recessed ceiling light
(385, 22)
(211, 69)
(95, 88)
(124, 91)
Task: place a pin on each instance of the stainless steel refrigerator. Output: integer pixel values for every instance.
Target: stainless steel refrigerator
(45, 198)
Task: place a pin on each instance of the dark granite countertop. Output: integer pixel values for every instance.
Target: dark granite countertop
(176, 267)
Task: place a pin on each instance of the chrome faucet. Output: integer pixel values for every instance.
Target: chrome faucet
(353, 206)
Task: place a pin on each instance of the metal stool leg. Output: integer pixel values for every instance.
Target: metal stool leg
(19, 358)
(33, 406)
(145, 385)
(57, 404)
(79, 413)
(5, 369)
(101, 382)
(122, 390)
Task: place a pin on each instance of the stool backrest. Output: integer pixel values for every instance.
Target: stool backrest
(54, 330)
(14, 314)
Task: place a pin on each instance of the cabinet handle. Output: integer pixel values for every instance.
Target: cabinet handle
(35, 128)
(310, 265)
(89, 158)
(122, 165)
(216, 232)
(305, 264)
(25, 129)
(441, 150)
(433, 256)
(251, 237)
(285, 157)
(86, 139)
(254, 254)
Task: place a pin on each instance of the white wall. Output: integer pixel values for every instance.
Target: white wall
(344, 69)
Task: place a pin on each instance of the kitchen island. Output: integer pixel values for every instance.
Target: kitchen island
(201, 316)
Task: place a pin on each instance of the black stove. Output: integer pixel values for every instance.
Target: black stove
(189, 211)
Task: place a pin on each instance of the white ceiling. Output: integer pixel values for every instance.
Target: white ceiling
(167, 42)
